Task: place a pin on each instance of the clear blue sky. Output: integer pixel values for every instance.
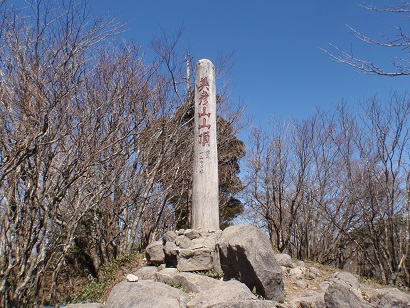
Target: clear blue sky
(278, 65)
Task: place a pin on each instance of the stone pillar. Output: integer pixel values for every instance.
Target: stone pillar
(205, 190)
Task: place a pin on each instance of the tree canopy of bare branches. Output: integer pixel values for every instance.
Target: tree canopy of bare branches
(399, 42)
(92, 145)
(335, 188)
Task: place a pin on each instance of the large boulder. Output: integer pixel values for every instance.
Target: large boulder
(339, 295)
(145, 294)
(246, 254)
(189, 282)
(309, 301)
(344, 278)
(390, 298)
(224, 293)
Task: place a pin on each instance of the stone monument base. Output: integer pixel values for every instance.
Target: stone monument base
(241, 252)
(188, 250)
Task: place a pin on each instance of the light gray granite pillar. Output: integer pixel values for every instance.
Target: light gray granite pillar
(205, 204)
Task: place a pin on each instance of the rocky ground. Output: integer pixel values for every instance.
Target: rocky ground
(237, 267)
(306, 284)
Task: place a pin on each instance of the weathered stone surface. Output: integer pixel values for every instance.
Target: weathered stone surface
(246, 254)
(202, 291)
(146, 272)
(190, 260)
(313, 301)
(284, 259)
(85, 305)
(145, 294)
(339, 295)
(301, 284)
(179, 247)
(345, 279)
(248, 304)
(170, 249)
(198, 243)
(166, 275)
(183, 242)
(210, 241)
(155, 253)
(169, 236)
(188, 281)
(296, 272)
(192, 234)
(224, 293)
(390, 298)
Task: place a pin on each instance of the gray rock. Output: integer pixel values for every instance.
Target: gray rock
(340, 296)
(189, 282)
(210, 241)
(224, 293)
(180, 232)
(300, 263)
(85, 305)
(155, 253)
(170, 249)
(146, 272)
(183, 242)
(312, 273)
(345, 279)
(199, 243)
(348, 279)
(390, 298)
(312, 301)
(284, 259)
(314, 270)
(145, 294)
(296, 273)
(248, 304)
(301, 284)
(192, 234)
(171, 252)
(246, 254)
(189, 260)
(169, 236)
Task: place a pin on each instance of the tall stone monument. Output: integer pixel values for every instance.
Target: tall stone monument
(205, 190)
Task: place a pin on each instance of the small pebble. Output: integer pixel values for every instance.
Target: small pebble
(132, 278)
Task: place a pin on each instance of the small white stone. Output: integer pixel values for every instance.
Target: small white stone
(132, 278)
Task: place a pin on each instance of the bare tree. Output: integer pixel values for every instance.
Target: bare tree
(94, 141)
(334, 188)
(46, 148)
(385, 152)
(278, 168)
